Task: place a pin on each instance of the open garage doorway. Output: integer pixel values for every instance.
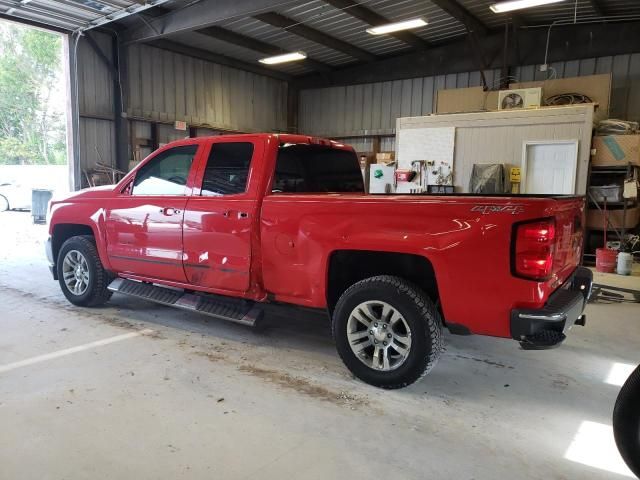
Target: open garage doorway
(33, 121)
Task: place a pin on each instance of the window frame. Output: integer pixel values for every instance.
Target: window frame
(205, 162)
(271, 183)
(125, 187)
(257, 168)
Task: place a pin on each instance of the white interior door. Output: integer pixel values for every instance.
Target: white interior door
(550, 167)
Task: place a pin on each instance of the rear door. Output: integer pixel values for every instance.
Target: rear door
(144, 222)
(221, 215)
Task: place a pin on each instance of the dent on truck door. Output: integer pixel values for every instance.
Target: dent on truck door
(144, 227)
(218, 222)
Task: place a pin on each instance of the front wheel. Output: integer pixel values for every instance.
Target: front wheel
(626, 422)
(82, 277)
(387, 331)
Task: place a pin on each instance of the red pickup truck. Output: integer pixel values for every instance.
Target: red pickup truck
(224, 225)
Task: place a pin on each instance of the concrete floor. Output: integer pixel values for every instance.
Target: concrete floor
(135, 390)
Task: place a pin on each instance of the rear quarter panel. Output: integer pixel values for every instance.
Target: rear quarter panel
(467, 240)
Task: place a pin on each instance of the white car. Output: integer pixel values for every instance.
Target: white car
(14, 197)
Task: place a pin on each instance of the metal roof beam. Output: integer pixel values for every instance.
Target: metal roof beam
(280, 21)
(250, 43)
(597, 7)
(568, 42)
(374, 19)
(201, 54)
(457, 11)
(199, 15)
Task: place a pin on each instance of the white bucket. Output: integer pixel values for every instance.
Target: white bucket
(625, 262)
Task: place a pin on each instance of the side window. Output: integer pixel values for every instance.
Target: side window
(227, 168)
(303, 168)
(165, 174)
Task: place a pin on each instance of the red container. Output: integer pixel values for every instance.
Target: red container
(405, 175)
(606, 260)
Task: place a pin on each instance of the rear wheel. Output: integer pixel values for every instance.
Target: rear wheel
(387, 331)
(82, 277)
(626, 422)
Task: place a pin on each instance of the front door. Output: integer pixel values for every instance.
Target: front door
(221, 215)
(144, 223)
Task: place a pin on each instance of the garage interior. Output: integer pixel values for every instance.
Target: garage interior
(136, 389)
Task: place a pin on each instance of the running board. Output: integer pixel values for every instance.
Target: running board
(240, 311)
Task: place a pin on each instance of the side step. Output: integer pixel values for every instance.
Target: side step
(240, 311)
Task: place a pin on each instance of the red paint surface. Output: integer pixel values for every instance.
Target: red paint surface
(283, 245)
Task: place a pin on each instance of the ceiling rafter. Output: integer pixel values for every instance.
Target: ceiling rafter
(597, 7)
(207, 55)
(280, 21)
(374, 19)
(200, 14)
(457, 11)
(250, 43)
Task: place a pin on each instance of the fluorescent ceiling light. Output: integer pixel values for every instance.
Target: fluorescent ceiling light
(285, 57)
(511, 5)
(397, 26)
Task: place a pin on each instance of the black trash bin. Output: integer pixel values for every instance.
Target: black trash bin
(39, 203)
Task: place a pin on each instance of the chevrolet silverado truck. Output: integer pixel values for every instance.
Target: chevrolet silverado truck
(227, 225)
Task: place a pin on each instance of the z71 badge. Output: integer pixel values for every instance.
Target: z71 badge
(486, 209)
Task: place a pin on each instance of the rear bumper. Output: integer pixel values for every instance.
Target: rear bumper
(546, 326)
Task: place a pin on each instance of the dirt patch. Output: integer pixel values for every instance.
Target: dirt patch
(214, 357)
(304, 386)
(484, 360)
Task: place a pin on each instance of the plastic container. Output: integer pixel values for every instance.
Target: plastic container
(606, 260)
(625, 263)
(608, 193)
(39, 204)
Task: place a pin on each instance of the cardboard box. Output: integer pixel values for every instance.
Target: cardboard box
(616, 150)
(385, 157)
(595, 218)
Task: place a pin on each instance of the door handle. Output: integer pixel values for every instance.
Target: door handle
(227, 214)
(168, 211)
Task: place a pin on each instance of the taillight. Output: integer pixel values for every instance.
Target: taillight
(534, 248)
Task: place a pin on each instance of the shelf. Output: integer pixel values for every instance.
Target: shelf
(630, 204)
(617, 229)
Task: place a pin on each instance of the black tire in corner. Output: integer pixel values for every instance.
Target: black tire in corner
(418, 311)
(96, 293)
(626, 422)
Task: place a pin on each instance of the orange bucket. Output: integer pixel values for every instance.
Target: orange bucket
(606, 260)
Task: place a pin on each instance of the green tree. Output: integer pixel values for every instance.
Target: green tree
(32, 127)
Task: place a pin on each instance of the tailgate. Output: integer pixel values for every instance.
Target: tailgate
(569, 214)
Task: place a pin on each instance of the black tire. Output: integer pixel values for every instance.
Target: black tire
(626, 422)
(418, 311)
(96, 293)
(4, 204)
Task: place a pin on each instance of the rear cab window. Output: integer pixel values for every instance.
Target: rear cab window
(305, 168)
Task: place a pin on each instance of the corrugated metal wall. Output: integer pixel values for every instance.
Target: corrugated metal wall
(372, 109)
(164, 86)
(95, 102)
